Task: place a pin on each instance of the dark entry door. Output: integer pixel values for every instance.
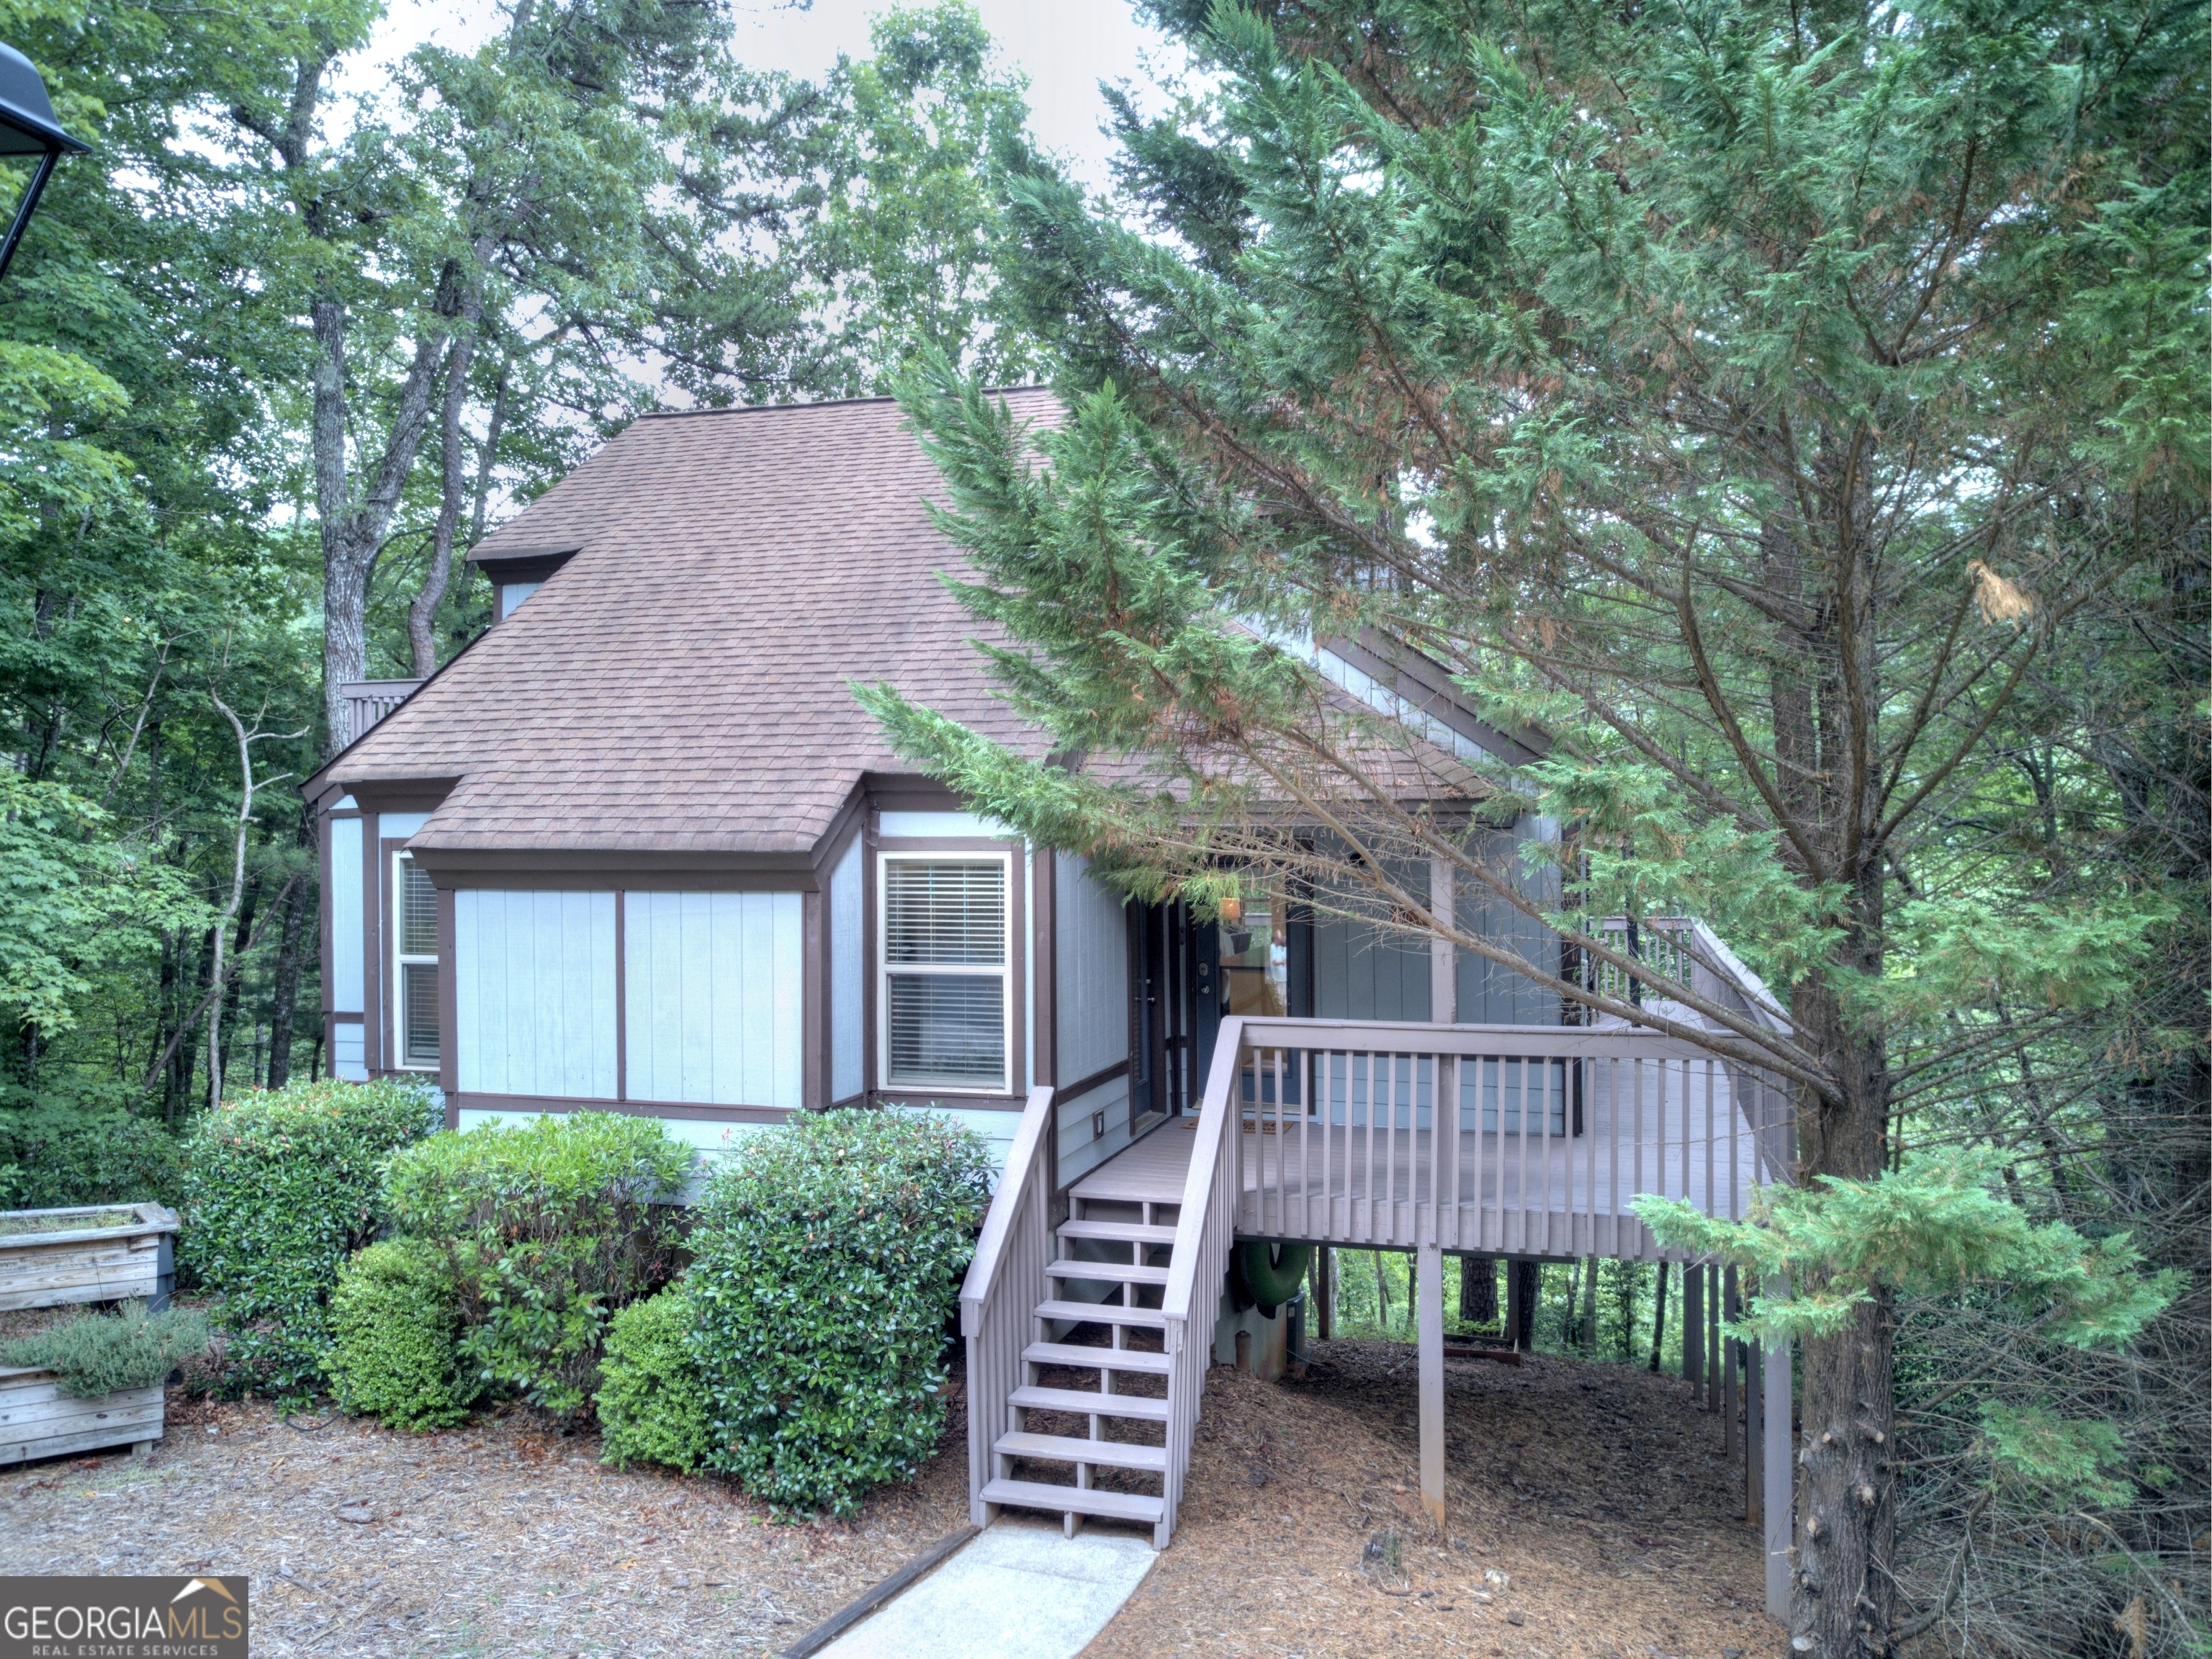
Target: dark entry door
(1176, 1006)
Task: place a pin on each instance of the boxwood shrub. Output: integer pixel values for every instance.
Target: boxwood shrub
(546, 1229)
(280, 1189)
(394, 1330)
(828, 1253)
(653, 1402)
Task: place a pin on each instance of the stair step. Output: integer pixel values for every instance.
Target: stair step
(1113, 1505)
(1102, 1313)
(1067, 1449)
(1077, 1357)
(1090, 1402)
(1118, 1232)
(1107, 1272)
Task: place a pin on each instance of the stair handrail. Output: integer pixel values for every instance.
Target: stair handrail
(1215, 1120)
(1022, 1159)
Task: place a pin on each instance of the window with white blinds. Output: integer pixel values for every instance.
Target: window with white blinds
(946, 994)
(415, 937)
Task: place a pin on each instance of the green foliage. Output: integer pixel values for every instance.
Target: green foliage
(546, 1229)
(1933, 1226)
(827, 1256)
(98, 1354)
(394, 1330)
(53, 1156)
(653, 1402)
(281, 1190)
(2074, 1462)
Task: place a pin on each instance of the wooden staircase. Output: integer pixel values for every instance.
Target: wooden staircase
(1124, 1258)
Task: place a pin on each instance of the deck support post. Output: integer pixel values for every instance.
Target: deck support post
(1428, 1302)
(1693, 1326)
(1778, 1469)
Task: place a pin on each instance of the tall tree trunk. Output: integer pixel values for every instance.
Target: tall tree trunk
(423, 613)
(1478, 1290)
(1658, 1318)
(285, 996)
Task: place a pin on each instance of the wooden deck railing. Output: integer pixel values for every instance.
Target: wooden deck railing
(367, 701)
(1692, 955)
(1005, 1283)
(1545, 1136)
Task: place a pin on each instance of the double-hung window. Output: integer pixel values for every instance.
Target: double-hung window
(945, 995)
(415, 972)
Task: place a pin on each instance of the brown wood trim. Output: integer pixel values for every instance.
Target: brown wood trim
(484, 1102)
(870, 841)
(813, 1000)
(1099, 1079)
(449, 997)
(852, 819)
(521, 867)
(949, 843)
(501, 569)
(621, 994)
(374, 857)
(904, 791)
(402, 794)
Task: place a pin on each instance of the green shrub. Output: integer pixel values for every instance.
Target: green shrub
(280, 1190)
(827, 1260)
(66, 1155)
(653, 1402)
(546, 1228)
(394, 1329)
(98, 1354)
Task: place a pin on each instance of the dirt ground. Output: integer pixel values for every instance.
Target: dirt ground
(1597, 1490)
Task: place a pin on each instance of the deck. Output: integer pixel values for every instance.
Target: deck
(1363, 1167)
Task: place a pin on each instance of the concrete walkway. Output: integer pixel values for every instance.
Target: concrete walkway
(1018, 1590)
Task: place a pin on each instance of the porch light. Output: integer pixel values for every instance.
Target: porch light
(1232, 910)
(28, 128)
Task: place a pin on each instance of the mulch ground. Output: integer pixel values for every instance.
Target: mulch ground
(500, 1538)
(1597, 1492)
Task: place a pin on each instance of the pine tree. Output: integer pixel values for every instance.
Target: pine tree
(1762, 403)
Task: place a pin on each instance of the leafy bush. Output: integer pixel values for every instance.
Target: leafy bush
(280, 1190)
(546, 1229)
(827, 1256)
(98, 1354)
(394, 1328)
(63, 1155)
(653, 1402)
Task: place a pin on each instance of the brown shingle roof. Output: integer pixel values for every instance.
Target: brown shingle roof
(680, 684)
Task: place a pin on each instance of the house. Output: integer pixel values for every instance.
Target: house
(638, 849)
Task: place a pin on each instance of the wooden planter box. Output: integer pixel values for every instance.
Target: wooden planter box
(36, 1419)
(50, 1258)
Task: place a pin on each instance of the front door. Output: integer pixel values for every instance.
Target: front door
(1176, 1007)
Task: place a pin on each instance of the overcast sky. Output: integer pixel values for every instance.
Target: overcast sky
(1065, 48)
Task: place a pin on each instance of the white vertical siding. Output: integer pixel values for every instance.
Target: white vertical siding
(713, 982)
(848, 970)
(398, 826)
(534, 992)
(346, 945)
(1091, 971)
